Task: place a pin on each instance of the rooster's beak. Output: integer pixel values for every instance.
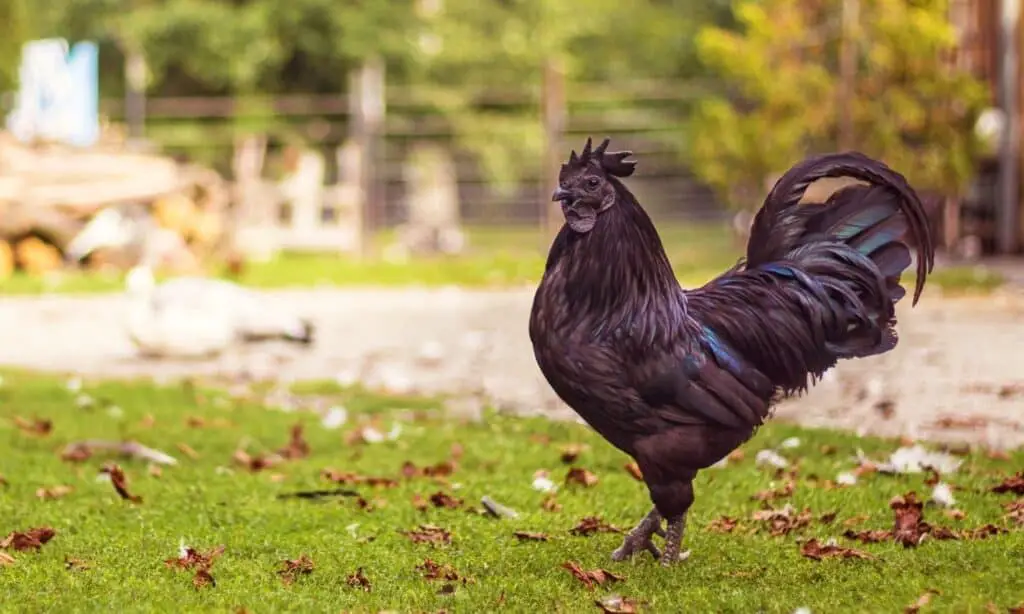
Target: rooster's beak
(560, 194)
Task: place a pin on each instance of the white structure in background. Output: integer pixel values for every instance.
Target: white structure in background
(58, 99)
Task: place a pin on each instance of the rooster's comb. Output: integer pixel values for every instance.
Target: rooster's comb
(613, 163)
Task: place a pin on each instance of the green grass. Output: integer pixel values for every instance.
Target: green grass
(497, 257)
(210, 501)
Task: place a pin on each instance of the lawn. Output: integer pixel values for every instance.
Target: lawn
(497, 257)
(108, 553)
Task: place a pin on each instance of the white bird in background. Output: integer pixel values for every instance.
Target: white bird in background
(184, 317)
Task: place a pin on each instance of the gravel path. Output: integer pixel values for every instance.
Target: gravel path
(957, 374)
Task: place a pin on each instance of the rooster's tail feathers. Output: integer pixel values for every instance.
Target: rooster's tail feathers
(882, 220)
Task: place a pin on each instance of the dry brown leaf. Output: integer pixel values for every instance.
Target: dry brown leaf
(203, 578)
(359, 580)
(591, 525)
(194, 559)
(580, 476)
(571, 452)
(76, 453)
(440, 499)
(550, 503)
(954, 514)
(813, 549)
(73, 564)
(633, 469)
(120, 482)
(1015, 511)
(36, 427)
(1017, 609)
(783, 521)
(736, 455)
(921, 601)
(614, 604)
(187, 450)
(340, 477)
(909, 527)
(855, 520)
(593, 577)
(828, 517)
(32, 539)
(437, 571)
(297, 446)
(420, 503)
(531, 536)
(786, 490)
(6, 560)
(1014, 484)
(723, 524)
(252, 463)
(54, 492)
(429, 534)
(293, 568)
(869, 537)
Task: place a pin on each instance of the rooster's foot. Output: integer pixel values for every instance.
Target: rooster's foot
(640, 538)
(673, 541)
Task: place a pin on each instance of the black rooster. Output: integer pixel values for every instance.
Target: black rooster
(679, 378)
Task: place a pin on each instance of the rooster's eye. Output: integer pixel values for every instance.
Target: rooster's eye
(592, 182)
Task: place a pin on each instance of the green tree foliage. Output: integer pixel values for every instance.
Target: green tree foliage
(909, 106)
(17, 29)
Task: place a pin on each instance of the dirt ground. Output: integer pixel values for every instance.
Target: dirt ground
(956, 375)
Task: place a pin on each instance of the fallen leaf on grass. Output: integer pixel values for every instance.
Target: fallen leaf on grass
(955, 514)
(909, 519)
(723, 524)
(591, 525)
(1015, 511)
(779, 493)
(1017, 609)
(120, 482)
(571, 452)
(633, 469)
(420, 503)
(297, 446)
(359, 580)
(440, 499)
(32, 539)
(921, 601)
(855, 520)
(429, 534)
(551, 504)
(187, 450)
(253, 463)
(73, 564)
(1014, 484)
(293, 568)
(37, 427)
(190, 558)
(868, 537)
(76, 453)
(592, 578)
(432, 570)
(340, 477)
(817, 551)
(828, 517)
(203, 578)
(54, 492)
(531, 536)
(580, 476)
(319, 494)
(784, 520)
(6, 560)
(614, 604)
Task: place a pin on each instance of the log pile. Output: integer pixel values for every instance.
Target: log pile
(48, 192)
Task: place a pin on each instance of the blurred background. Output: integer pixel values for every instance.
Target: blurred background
(318, 141)
(332, 148)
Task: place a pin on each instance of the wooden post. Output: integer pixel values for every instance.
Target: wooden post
(554, 116)
(367, 108)
(135, 92)
(1009, 176)
(847, 72)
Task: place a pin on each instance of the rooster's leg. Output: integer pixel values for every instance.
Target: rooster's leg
(640, 538)
(673, 540)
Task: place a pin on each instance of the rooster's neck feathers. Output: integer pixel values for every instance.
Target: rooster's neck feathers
(616, 270)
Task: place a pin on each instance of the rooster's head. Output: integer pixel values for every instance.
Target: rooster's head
(585, 188)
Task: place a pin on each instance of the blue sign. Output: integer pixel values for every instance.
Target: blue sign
(58, 96)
